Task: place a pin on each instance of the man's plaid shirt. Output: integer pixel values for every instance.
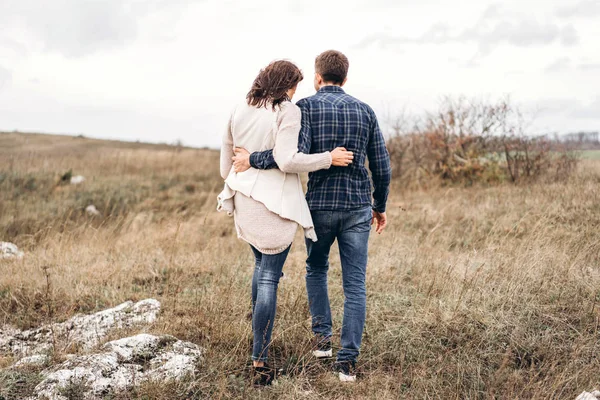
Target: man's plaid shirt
(331, 118)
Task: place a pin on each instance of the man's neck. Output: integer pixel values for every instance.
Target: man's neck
(329, 84)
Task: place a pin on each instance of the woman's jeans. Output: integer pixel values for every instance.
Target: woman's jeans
(265, 280)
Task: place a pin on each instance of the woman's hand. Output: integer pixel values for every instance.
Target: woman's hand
(340, 157)
(241, 160)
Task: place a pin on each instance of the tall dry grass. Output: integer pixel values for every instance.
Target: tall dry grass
(472, 292)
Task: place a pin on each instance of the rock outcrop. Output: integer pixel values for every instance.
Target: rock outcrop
(595, 395)
(80, 332)
(118, 365)
(124, 364)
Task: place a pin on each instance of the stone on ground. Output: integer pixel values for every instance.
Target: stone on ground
(9, 250)
(77, 179)
(37, 360)
(595, 395)
(81, 331)
(124, 364)
(92, 210)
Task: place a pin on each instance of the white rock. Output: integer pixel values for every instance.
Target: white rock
(83, 331)
(36, 360)
(125, 364)
(91, 210)
(131, 347)
(77, 179)
(9, 250)
(595, 395)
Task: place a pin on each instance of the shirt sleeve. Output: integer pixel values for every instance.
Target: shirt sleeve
(263, 160)
(305, 135)
(379, 164)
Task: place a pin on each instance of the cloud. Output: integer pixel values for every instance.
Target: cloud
(438, 34)
(587, 111)
(76, 28)
(585, 9)
(552, 106)
(12, 47)
(569, 107)
(5, 77)
(563, 114)
(561, 64)
(493, 29)
(588, 67)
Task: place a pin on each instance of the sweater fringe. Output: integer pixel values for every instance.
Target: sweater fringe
(225, 204)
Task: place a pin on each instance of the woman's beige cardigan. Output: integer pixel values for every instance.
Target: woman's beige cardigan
(268, 205)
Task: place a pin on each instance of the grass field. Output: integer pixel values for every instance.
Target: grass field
(473, 293)
(590, 154)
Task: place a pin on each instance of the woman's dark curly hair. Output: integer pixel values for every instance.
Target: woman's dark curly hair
(273, 82)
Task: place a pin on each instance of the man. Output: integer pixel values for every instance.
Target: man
(340, 202)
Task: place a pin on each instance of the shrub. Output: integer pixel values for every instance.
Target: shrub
(467, 142)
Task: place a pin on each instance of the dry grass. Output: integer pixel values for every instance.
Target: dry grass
(472, 293)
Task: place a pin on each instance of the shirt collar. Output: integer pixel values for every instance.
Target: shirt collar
(331, 89)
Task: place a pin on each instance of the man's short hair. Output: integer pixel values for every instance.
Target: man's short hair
(333, 66)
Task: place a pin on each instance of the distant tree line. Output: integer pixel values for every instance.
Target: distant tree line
(581, 140)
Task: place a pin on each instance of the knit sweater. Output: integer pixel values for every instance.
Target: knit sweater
(268, 205)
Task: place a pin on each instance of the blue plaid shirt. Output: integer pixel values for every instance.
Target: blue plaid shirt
(331, 118)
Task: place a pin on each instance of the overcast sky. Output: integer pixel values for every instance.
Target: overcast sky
(163, 70)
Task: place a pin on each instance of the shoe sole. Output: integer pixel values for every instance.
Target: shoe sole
(322, 353)
(347, 378)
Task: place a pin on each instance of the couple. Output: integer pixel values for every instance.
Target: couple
(331, 135)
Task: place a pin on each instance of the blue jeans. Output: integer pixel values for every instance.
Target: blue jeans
(351, 229)
(265, 280)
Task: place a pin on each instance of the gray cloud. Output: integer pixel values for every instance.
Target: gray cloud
(75, 28)
(569, 107)
(561, 64)
(552, 106)
(494, 28)
(13, 47)
(5, 77)
(565, 114)
(439, 33)
(588, 111)
(585, 9)
(588, 67)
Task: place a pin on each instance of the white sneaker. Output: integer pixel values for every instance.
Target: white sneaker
(323, 353)
(347, 378)
(346, 371)
(322, 347)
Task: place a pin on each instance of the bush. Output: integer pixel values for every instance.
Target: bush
(467, 142)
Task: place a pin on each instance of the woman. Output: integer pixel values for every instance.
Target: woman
(268, 205)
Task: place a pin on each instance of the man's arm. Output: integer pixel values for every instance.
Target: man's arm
(263, 160)
(381, 171)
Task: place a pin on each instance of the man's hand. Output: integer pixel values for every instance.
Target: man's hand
(380, 219)
(340, 157)
(241, 160)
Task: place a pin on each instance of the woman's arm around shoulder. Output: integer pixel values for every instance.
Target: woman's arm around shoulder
(286, 144)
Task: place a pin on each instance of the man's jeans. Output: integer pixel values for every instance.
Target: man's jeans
(351, 229)
(265, 280)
